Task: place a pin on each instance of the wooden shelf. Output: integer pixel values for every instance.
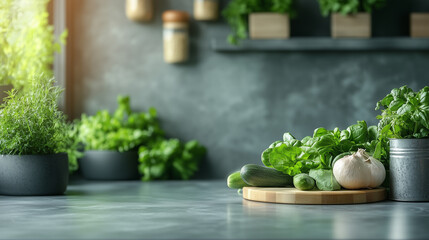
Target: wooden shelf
(325, 44)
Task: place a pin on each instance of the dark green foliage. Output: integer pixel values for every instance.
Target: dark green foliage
(31, 123)
(123, 131)
(237, 11)
(293, 156)
(170, 159)
(349, 6)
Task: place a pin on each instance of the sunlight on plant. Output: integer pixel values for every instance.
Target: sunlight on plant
(27, 42)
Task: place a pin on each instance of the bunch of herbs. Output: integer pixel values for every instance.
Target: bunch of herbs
(405, 113)
(31, 123)
(125, 130)
(349, 6)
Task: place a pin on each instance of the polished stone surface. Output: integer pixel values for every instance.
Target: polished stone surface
(197, 210)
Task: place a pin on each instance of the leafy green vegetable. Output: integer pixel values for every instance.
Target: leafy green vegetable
(292, 156)
(31, 123)
(170, 159)
(123, 131)
(27, 41)
(349, 6)
(405, 113)
(325, 179)
(237, 11)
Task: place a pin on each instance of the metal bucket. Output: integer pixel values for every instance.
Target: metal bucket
(409, 169)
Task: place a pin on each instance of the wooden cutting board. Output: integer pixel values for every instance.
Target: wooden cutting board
(295, 196)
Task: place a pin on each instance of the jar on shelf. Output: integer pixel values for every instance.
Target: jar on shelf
(206, 10)
(139, 10)
(175, 36)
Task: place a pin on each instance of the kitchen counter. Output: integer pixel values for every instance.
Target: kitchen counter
(197, 210)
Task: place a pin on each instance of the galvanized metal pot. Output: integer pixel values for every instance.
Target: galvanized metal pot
(33, 175)
(109, 165)
(409, 169)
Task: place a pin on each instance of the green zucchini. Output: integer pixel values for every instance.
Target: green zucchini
(235, 181)
(260, 176)
(303, 181)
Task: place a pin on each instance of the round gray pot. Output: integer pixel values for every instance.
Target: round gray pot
(109, 165)
(409, 164)
(33, 175)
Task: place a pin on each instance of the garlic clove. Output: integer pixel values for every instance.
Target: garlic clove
(378, 172)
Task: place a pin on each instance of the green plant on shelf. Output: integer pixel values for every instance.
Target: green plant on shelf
(27, 41)
(237, 11)
(346, 7)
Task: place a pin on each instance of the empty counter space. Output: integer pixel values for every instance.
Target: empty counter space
(197, 210)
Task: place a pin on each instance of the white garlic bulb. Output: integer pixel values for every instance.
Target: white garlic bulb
(359, 170)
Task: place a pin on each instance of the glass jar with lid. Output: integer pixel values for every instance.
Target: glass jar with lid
(175, 36)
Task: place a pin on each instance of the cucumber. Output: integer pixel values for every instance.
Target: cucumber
(303, 181)
(260, 176)
(235, 181)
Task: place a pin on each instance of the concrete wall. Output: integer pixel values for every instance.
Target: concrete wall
(236, 104)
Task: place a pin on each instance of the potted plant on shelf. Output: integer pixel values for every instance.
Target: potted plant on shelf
(34, 139)
(419, 23)
(404, 123)
(27, 43)
(350, 19)
(111, 142)
(265, 19)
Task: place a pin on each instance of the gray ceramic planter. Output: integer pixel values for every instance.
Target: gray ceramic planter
(409, 164)
(33, 175)
(109, 165)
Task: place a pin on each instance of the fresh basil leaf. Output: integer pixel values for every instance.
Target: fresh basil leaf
(325, 179)
(372, 133)
(318, 132)
(358, 132)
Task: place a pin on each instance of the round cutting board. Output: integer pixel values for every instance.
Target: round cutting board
(295, 196)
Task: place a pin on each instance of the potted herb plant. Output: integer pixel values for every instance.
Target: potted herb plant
(111, 142)
(34, 139)
(350, 19)
(404, 123)
(24, 34)
(267, 19)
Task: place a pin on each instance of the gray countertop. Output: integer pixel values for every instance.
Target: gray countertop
(197, 210)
